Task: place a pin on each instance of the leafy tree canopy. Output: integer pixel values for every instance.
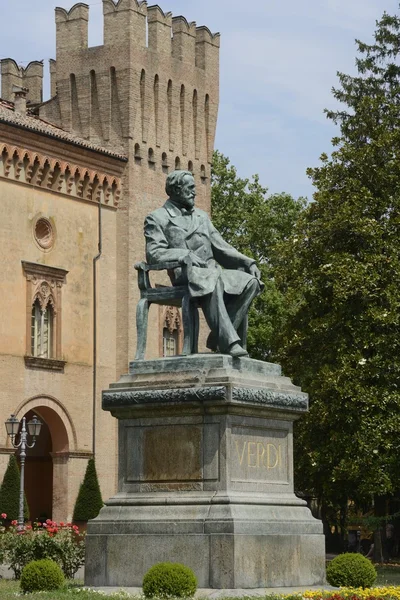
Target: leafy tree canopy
(340, 271)
(255, 223)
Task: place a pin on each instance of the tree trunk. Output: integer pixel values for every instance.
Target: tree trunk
(379, 533)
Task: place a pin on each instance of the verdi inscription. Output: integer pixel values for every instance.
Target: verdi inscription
(259, 455)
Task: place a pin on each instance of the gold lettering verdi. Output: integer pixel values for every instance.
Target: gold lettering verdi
(260, 455)
(240, 454)
(251, 454)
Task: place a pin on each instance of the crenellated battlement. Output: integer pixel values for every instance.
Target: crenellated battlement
(130, 22)
(121, 5)
(159, 29)
(204, 35)
(184, 39)
(156, 13)
(124, 22)
(155, 80)
(78, 11)
(30, 77)
(72, 28)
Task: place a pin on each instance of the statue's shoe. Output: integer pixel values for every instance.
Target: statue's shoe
(236, 351)
(212, 342)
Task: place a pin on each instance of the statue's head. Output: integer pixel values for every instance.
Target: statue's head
(181, 188)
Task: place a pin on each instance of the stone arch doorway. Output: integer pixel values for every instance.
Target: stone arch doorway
(46, 466)
(39, 474)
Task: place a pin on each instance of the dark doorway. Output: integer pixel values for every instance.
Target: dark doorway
(39, 474)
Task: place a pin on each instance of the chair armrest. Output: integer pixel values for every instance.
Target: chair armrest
(144, 268)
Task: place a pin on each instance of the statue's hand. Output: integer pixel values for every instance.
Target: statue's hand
(198, 262)
(195, 261)
(254, 270)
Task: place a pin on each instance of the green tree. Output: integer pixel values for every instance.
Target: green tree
(255, 223)
(9, 491)
(340, 271)
(89, 501)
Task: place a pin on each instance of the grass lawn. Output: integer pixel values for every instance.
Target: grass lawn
(9, 590)
(388, 575)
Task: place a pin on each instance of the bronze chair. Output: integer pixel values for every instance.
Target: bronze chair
(166, 296)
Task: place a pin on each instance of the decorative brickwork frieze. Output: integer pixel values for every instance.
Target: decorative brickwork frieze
(48, 172)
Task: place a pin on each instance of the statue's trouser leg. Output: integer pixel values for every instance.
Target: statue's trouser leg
(238, 306)
(218, 319)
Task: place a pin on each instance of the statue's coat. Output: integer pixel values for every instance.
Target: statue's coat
(171, 235)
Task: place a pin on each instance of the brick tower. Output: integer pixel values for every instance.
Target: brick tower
(91, 163)
(150, 91)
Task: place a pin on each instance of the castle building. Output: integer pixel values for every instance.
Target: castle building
(78, 175)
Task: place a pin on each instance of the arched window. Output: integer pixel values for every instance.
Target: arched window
(42, 330)
(164, 162)
(170, 342)
(143, 99)
(43, 312)
(177, 163)
(156, 100)
(171, 331)
(169, 103)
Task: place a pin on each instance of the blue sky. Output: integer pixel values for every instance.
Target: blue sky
(279, 60)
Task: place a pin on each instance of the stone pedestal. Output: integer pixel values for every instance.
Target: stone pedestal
(206, 478)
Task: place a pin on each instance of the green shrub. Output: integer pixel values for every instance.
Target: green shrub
(169, 579)
(351, 570)
(9, 491)
(89, 501)
(41, 575)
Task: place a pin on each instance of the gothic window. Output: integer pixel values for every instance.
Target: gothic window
(43, 316)
(42, 330)
(171, 331)
(170, 342)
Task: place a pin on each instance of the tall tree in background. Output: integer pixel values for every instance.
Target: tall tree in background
(341, 272)
(255, 223)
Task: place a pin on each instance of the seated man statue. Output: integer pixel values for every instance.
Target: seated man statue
(180, 232)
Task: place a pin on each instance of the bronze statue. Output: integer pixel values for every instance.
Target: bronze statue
(178, 231)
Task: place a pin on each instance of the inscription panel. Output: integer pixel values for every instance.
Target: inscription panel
(172, 453)
(259, 455)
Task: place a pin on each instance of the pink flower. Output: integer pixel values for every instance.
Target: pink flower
(3, 516)
(28, 527)
(62, 524)
(49, 521)
(75, 527)
(14, 522)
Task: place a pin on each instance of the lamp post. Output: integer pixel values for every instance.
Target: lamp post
(12, 426)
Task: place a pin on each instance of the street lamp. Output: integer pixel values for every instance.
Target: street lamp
(12, 425)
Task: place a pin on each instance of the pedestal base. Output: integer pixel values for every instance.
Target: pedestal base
(205, 478)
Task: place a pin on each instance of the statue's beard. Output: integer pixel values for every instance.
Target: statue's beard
(186, 203)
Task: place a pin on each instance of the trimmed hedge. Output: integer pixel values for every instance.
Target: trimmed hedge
(9, 491)
(89, 500)
(351, 570)
(165, 580)
(41, 575)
